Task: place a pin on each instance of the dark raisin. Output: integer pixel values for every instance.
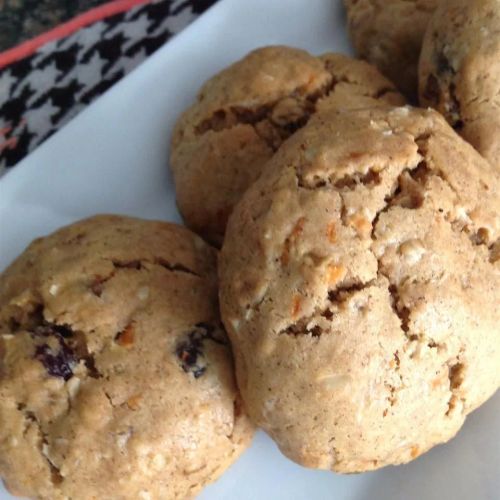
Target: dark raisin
(190, 353)
(63, 330)
(190, 350)
(57, 364)
(47, 329)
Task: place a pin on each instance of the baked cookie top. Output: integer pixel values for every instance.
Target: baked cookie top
(360, 285)
(244, 113)
(389, 33)
(116, 378)
(460, 71)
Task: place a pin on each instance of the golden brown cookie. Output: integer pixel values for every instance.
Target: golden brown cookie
(389, 33)
(360, 284)
(460, 71)
(243, 114)
(116, 378)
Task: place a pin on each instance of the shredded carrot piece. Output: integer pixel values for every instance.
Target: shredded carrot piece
(294, 235)
(126, 337)
(361, 224)
(335, 273)
(331, 232)
(436, 382)
(296, 305)
(134, 402)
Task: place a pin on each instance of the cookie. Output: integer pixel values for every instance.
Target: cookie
(116, 377)
(460, 71)
(360, 287)
(243, 114)
(389, 34)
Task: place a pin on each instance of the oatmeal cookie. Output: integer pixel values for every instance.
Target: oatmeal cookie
(360, 285)
(460, 71)
(116, 377)
(389, 34)
(244, 113)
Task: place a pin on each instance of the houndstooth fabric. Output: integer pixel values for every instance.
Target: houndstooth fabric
(40, 93)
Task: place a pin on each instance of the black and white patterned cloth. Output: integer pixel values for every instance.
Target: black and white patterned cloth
(42, 92)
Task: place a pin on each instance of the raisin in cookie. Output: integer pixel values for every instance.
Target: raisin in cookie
(460, 71)
(243, 114)
(360, 285)
(389, 33)
(116, 379)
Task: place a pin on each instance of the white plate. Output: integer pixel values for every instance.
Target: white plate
(113, 157)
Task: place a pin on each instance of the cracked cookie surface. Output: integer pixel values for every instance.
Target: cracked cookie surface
(459, 72)
(389, 34)
(116, 376)
(359, 285)
(244, 113)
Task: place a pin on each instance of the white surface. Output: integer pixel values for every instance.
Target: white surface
(112, 158)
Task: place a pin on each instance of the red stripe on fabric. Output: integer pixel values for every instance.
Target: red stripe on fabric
(9, 144)
(98, 13)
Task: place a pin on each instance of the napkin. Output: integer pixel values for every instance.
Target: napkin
(57, 57)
